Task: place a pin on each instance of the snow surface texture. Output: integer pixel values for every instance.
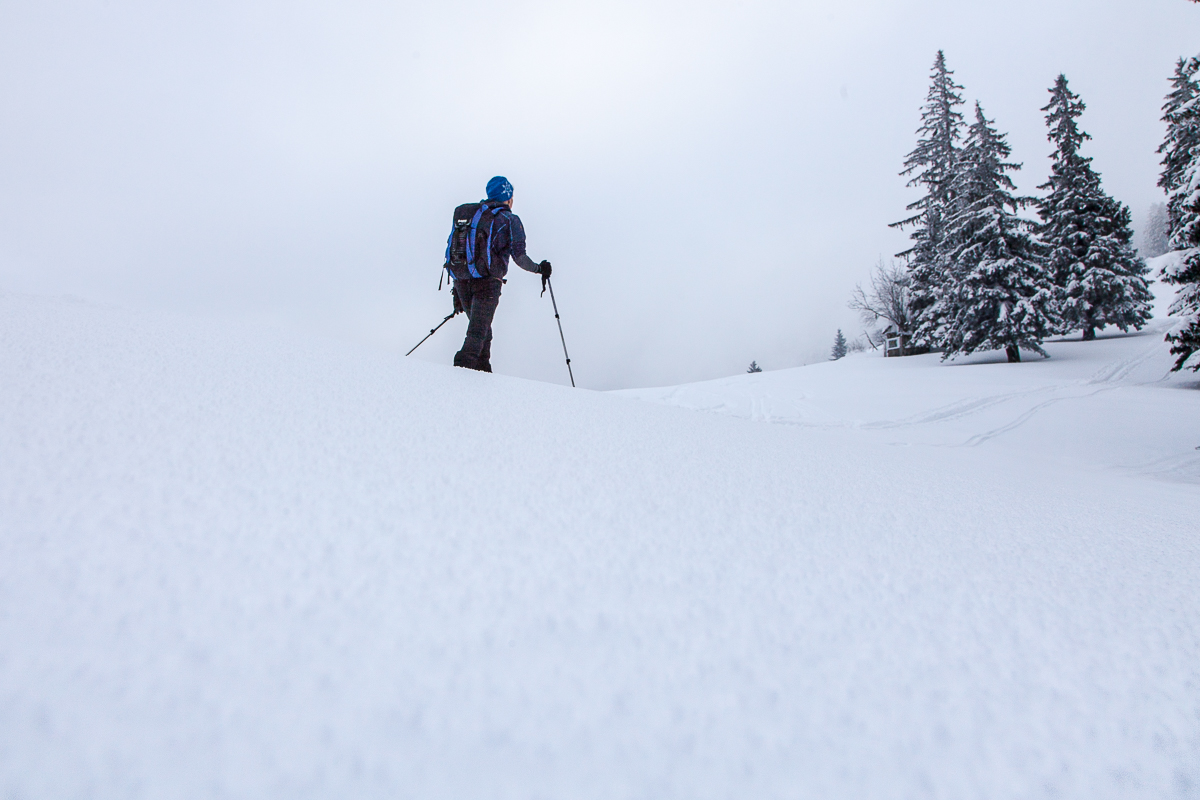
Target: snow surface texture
(250, 566)
(1100, 404)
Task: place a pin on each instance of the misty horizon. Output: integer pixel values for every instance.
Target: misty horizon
(709, 186)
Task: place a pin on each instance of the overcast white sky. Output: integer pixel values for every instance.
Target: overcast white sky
(710, 180)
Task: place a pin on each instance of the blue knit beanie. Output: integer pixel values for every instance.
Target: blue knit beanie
(499, 188)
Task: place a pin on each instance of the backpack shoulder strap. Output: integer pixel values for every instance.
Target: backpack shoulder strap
(502, 213)
(473, 256)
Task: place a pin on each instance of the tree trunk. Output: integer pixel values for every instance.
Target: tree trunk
(1014, 355)
(1089, 334)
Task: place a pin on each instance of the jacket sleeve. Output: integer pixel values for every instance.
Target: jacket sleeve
(517, 246)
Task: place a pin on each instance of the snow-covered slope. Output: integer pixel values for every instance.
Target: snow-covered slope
(238, 565)
(1110, 403)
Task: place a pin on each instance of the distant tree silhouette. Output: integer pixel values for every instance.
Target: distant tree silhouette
(840, 348)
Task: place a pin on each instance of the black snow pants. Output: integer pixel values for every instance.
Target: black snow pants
(479, 298)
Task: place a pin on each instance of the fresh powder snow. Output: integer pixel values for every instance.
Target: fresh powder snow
(240, 563)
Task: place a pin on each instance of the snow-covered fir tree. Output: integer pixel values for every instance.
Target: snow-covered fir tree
(998, 293)
(1155, 233)
(754, 367)
(932, 166)
(1100, 277)
(839, 347)
(1183, 133)
(1181, 179)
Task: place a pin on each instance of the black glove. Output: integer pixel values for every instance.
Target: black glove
(544, 269)
(458, 306)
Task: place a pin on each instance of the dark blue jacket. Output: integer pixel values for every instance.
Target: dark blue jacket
(507, 239)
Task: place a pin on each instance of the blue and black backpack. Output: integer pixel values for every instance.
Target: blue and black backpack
(469, 248)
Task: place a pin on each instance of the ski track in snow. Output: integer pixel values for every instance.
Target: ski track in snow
(240, 564)
(989, 411)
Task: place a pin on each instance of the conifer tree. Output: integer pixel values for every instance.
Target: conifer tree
(998, 293)
(1181, 179)
(932, 166)
(1100, 277)
(839, 347)
(754, 367)
(1183, 132)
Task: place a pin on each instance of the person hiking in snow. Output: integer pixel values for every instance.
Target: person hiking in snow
(483, 237)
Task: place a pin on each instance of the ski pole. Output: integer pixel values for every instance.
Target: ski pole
(431, 333)
(560, 333)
